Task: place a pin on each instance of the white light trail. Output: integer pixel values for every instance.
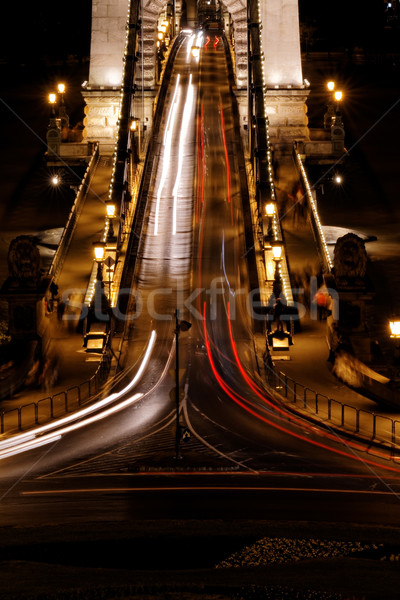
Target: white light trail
(167, 142)
(35, 437)
(189, 48)
(186, 119)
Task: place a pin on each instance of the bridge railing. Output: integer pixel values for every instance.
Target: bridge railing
(315, 221)
(62, 249)
(26, 416)
(338, 416)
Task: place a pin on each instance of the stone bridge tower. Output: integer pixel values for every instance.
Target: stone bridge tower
(282, 62)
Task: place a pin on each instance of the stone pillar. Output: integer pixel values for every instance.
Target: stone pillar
(102, 112)
(280, 37)
(286, 93)
(239, 23)
(102, 94)
(107, 46)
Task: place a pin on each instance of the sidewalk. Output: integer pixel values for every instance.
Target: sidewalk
(306, 361)
(74, 365)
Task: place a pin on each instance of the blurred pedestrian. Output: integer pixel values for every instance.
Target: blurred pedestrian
(278, 311)
(321, 299)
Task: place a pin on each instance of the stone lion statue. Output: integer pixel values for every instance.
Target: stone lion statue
(350, 257)
(24, 261)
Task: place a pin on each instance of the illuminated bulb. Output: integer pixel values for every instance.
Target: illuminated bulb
(98, 248)
(270, 209)
(277, 251)
(52, 98)
(61, 88)
(394, 328)
(330, 85)
(110, 207)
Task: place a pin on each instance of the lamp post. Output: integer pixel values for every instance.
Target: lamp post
(270, 210)
(53, 134)
(99, 249)
(62, 110)
(179, 326)
(136, 143)
(394, 325)
(330, 109)
(277, 248)
(338, 98)
(337, 128)
(110, 208)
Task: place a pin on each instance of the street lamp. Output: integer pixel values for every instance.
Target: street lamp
(330, 109)
(179, 326)
(136, 143)
(53, 134)
(52, 101)
(277, 248)
(338, 179)
(338, 97)
(99, 249)
(62, 111)
(394, 325)
(110, 209)
(270, 210)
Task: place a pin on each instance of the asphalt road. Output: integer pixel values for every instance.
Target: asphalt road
(234, 425)
(249, 467)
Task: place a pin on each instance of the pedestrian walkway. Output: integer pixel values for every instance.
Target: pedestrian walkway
(71, 364)
(304, 371)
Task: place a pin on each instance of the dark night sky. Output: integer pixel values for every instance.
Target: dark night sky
(53, 30)
(36, 30)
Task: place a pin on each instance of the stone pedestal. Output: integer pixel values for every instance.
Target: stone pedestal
(26, 310)
(287, 115)
(102, 113)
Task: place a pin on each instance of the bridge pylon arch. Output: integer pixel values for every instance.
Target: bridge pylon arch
(286, 93)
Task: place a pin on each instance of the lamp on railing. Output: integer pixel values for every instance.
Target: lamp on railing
(394, 325)
(53, 134)
(110, 210)
(330, 108)
(136, 138)
(134, 124)
(99, 249)
(338, 98)
(270, 210)
(277, 249)
(52, 102)
(62, 110)
(337, 128)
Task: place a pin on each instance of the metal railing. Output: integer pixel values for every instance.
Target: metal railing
(23, 417)
(62, 249)
(379, 429)
(315, 221)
